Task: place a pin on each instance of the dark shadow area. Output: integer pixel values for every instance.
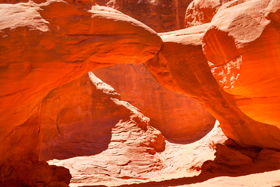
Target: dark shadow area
(178, 117)
(77, 120)
(196, 137)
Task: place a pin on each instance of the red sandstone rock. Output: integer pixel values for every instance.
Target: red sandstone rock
(84, 116)
(182, 67)
(52, 47)
(43, 48)
(201, 11)
(86, 123)
(242, 53)
(230, 157)
(78, 46)
(160, 15)
(178, 117)
(17, 174)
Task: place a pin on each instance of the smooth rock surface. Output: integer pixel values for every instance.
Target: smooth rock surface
(177, 116)
(43, 48)
(181, 66)
(243, 53)
(231, 66)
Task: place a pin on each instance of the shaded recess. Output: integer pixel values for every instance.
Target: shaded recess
(78, 118)
(178, 117)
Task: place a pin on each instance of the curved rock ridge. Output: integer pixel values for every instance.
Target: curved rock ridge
(67, 45)
(182, 66)
(43, 48)
(99, 137)
(242, 47)
(51, 52)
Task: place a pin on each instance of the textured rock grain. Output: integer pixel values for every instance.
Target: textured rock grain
(97, 135)
(160, 15)
(201, 11)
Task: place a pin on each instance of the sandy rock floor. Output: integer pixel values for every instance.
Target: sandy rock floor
(180, 164)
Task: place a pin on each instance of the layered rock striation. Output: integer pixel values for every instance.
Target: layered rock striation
(160, 15)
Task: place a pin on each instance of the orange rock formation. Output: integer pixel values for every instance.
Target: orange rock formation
(84, 116)
(160, 15)
(106, 137)
(245, 59)
(42, 48)
(230, 65)
(178, 117)
(182, 66)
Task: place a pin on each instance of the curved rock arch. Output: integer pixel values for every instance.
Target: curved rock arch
(48, 52)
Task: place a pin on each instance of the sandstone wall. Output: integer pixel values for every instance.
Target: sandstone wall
(160, 15)
(43, 48)
(178, 117)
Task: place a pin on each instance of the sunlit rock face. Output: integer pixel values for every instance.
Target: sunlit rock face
(223, 65)
(241, 52)
(230, 65)
(245, 59)
(201, 11)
